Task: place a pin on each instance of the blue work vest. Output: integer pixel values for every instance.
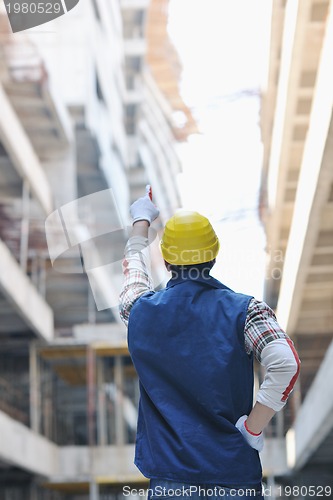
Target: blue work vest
(196, 380)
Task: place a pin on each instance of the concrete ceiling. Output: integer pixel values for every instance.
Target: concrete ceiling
(297, 207)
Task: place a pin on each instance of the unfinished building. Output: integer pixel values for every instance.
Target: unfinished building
(83, 127)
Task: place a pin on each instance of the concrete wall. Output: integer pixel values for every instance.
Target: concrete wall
(18, 288)
(24, 448)
(106, 463)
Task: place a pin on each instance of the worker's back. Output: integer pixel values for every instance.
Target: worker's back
(196, 380)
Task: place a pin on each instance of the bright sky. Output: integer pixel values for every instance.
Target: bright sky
(223, 45)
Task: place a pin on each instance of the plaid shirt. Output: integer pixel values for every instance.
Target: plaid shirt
(261, 326)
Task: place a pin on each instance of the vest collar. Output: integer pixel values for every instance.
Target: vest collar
(194, 275)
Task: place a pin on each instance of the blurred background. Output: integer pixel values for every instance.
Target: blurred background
(223, 107)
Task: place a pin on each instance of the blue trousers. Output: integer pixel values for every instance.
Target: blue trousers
(164, 490)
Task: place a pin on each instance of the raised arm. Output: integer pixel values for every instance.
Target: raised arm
(136, 263)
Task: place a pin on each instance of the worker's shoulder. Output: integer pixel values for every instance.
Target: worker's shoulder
(141, 300)
(227, 290)
(147, 295)
(150, 294)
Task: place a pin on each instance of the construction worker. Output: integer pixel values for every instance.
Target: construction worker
(192, 345)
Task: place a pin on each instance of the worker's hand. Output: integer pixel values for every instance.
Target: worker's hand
(144, 208)
(256, 441)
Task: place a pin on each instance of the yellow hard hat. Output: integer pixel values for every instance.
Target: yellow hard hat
(189, 239)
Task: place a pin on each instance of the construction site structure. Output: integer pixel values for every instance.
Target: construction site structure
(296, 208)
(84, 126)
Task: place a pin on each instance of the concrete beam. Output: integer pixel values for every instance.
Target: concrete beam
(107, 464)
(114, 464)
(315, 181)
(311, 427)
(102, 335)
(296, 18)
(22, 154)
(19, 290)
(23, 448)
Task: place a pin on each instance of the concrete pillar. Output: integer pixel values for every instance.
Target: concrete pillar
(24, 243)
(34, 375)
(279, 424)
(42, 277)
(47, 405)
(93, 490)
(101, 406)
(271, 488)
(297, 396)
(33, 491)
(119, 411)
(91, 396)
(91, 308)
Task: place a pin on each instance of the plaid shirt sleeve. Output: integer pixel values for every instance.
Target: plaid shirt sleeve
(261, 327)
(275, 351)
(137, 273)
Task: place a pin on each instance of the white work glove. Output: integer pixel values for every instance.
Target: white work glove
(144, 208)
(255, 441)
